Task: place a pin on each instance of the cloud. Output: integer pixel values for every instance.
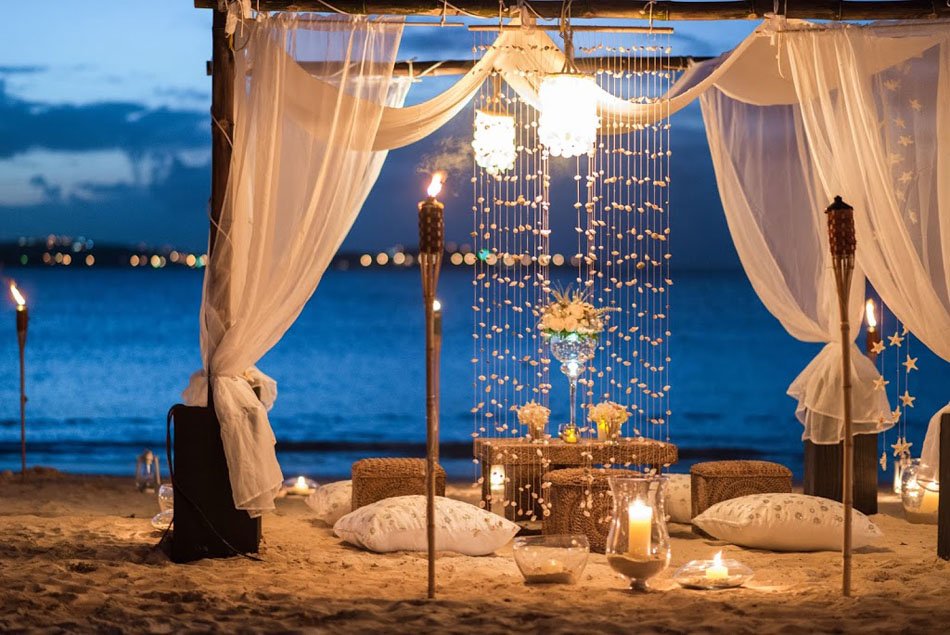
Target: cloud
(22, 70)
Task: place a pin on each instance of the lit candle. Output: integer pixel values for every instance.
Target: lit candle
(717, 570)
(300, 486)
(640, 524)
(930, 502)
(570, 435)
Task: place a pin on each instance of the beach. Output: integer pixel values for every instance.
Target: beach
(78, 554)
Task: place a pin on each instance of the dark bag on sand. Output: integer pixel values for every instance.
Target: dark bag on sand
(206, 524)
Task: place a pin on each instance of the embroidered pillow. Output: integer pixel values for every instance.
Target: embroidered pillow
(332, 501)
(399, 524)
(679, 504)
(785, 522)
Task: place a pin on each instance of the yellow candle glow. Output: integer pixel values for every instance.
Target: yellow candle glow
(717, 570)
(931, 499)
(640, 524)
(570, 435)
(300, 486)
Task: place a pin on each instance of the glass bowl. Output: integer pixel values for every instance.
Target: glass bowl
(162, 520)
(166, 497)
(298, 486)
(557, 558)
(719, 573)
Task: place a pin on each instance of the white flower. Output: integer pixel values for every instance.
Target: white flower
(608, 413)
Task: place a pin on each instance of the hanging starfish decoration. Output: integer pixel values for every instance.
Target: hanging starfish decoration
(910, 364)
(883, 460)
(906, 399)
(878, 347)
(895, 339)
(901, 447)
(896, 413)
(880, 383)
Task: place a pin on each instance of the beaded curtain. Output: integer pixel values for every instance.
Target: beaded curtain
(599, 223)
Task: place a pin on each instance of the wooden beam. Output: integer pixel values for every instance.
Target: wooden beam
(222, 119)
(663, 10)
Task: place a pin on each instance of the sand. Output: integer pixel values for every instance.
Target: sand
(77, 553)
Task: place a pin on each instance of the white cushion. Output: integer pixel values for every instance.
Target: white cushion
(332, 501)
(399, 524)
(784, 522)
(679, 502)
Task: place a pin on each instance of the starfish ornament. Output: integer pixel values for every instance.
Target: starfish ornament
(905, 140)
(907, 399)
(895, 339)
(906, 177)
(878, 347)
(883, 460)
(901, 447)
(910, 364)
(900, 123)
(896, 413)
(915, 104)
(880, 383)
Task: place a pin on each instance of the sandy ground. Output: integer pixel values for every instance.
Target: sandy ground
(78, 554)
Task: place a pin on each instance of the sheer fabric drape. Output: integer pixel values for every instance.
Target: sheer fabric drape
(292, 197)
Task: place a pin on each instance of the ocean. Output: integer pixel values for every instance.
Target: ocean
(110, 350)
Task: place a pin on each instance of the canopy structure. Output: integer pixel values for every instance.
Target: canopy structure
(795, 114)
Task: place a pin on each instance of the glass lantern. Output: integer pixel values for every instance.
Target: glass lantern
(147, 473)
(638, 543)
(920, 493)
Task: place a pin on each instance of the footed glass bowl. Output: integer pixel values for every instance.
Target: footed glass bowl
(557, 558)
(712, 574)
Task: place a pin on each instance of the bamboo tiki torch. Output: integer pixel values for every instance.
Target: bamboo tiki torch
(431, 246)
(842, 241)
(22, 320)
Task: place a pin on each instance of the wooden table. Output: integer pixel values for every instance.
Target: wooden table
(555, 454)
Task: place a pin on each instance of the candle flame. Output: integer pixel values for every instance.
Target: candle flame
(436, 306)
(17, 296)
(717, 559)
(869, 312)
(435, 186)
(301, 482)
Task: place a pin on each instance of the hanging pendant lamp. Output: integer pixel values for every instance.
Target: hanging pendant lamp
(494, 137)
(568, 123)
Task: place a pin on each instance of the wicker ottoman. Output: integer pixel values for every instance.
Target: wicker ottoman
(568, 491)
(717, 481)
(376, 479)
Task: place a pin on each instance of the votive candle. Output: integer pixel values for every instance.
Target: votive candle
(640, 525)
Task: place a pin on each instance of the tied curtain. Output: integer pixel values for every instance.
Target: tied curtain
(292, 197)
(863, 112)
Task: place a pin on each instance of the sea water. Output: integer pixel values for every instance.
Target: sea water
(110, 350)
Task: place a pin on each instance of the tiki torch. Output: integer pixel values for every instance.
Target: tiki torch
(873, 336)
(431, 246)
(22, 319)
(843, 243)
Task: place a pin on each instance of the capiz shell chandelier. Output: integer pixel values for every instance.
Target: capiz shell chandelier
(494, 141)
(568, 123)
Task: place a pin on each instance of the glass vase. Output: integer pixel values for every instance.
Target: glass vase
(573, 351)
(920, 493)
(638, 543)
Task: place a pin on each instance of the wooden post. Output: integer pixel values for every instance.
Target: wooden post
(222, 119)
(824, 470)
(943, 476)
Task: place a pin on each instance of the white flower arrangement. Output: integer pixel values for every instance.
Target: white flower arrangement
(608, 417)
(572, 314)
(535, 417)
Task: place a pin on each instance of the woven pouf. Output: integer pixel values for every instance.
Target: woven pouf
(376, 479)
(717, 481)
(566, 494)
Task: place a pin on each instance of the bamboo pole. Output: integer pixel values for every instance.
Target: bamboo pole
(842, 242)
(663, 10)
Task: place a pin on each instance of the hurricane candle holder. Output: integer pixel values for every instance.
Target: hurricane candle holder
(718, 573)
(558, 558)
(638, 543)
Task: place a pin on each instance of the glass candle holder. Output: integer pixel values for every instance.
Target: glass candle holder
(718, 573)
(558, 558)
(166, 497)
(638, 543)
(920, 493)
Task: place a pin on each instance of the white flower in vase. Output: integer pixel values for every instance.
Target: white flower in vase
(608, 416)
(535, 417)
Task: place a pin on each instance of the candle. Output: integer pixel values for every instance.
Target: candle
(930, 502)
(300, 486)
(640, 524)
(717, 570)
(569, 435)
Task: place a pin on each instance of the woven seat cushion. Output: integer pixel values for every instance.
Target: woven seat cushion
(376, 479)
(717, 481)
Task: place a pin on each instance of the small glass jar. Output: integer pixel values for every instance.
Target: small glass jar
(638, 543)
(920, 493)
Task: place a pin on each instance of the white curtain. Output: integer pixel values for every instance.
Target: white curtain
(291, 199)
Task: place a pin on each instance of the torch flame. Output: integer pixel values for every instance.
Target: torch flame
(869, 312)
(17, 296)
(717, 559)
(435, 186)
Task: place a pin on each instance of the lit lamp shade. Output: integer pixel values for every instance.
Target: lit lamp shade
(568, 123)
(494, 141)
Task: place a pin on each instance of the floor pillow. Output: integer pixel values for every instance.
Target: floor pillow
(332, 501)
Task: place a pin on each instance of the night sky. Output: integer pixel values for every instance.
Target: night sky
(104, 132)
